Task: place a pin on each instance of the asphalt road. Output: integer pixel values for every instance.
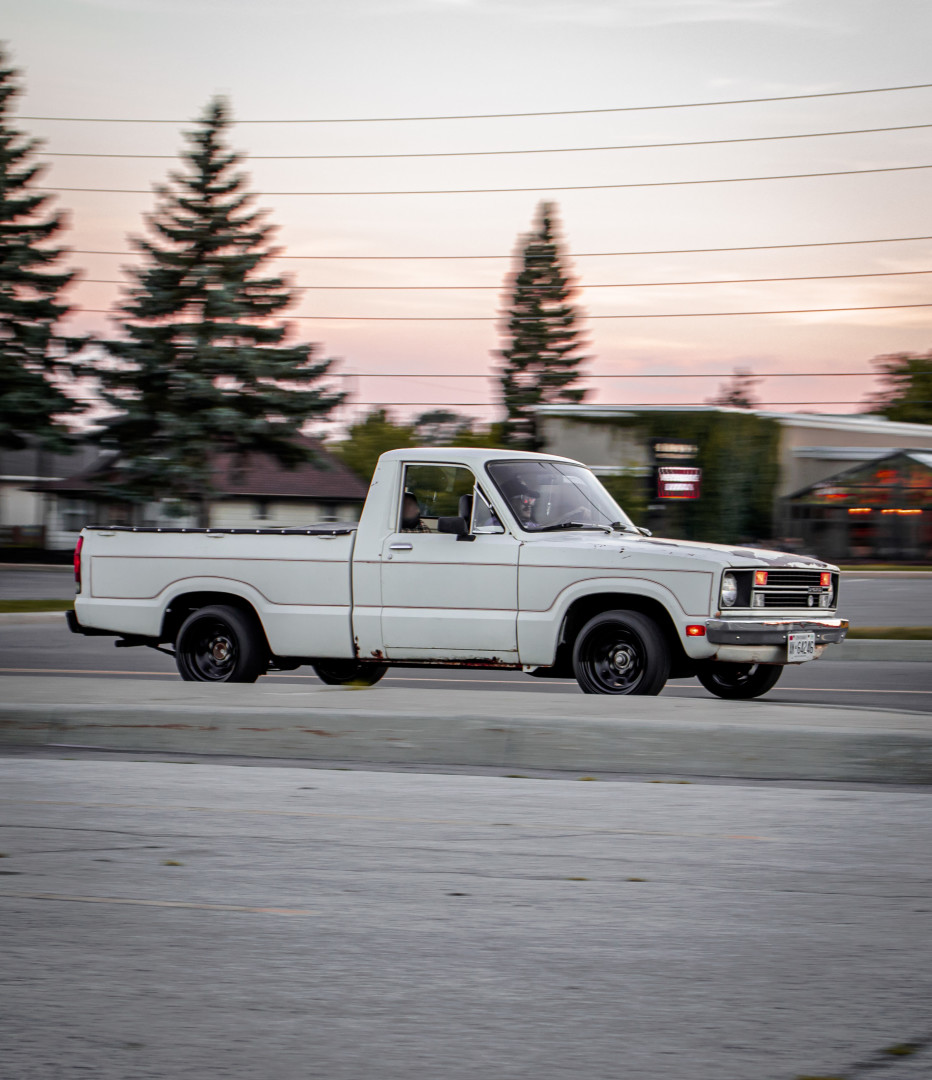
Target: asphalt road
(177, 919)
(893, 600)
(49, 649)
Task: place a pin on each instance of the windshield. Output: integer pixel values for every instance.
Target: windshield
(555, 495)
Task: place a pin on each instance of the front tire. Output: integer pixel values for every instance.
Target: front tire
(342, 672)
(220, 644)
(621, 652)
(739, 682)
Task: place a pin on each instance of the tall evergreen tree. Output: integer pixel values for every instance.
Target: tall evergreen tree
(201, 366)
(32, 350)
(541, 364)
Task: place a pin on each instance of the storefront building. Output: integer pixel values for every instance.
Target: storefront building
(882, 510)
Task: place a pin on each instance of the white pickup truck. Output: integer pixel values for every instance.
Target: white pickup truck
(462, 558)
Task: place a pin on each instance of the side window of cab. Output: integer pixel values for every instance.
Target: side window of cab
(432, 492)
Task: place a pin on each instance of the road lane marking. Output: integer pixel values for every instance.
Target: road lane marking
(543, 683)
(65, 898)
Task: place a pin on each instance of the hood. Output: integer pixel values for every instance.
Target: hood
(602, 549)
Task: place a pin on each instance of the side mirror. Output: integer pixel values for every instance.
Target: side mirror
(456, 525)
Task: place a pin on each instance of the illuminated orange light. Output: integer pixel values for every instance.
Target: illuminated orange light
(860, 510)
(825, 580)
(695, 631)
(760, 577)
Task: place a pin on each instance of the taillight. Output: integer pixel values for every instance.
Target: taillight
(77, 563)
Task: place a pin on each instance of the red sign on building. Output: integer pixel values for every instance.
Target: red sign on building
(678, 482)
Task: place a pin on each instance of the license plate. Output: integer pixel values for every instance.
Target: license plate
(800, 647)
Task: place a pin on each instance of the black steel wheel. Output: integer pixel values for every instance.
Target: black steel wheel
(342, 672)
(220, 644)
(739, 681)
(621, 652)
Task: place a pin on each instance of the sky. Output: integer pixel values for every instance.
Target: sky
(376, 75)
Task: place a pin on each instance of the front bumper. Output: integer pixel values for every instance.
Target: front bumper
(774, 631)
(763, 641)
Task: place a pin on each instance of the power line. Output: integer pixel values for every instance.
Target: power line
(590, 375)
(606, 404)
(577, 255)
(487, 318)
(503, 153)
(497, 116)
(516, 190)
(580, 285)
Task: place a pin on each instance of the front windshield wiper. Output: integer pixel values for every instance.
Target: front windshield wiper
(574, 525)
(623, 526)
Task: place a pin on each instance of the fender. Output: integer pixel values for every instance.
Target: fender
(292, 630)
(145, 616)
(539, 631)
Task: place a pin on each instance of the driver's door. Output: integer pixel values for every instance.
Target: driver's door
(444, 598)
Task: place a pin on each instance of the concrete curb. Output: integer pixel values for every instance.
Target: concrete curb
(476, 728)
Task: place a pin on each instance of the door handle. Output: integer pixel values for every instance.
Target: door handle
(400, 547)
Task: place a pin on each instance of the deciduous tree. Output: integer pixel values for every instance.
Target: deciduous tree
(370, 437)
(739, 392)
(906, 387)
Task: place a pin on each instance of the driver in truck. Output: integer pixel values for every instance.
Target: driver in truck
(411, 515)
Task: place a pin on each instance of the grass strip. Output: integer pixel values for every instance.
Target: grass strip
(19, 607)
(853, 568)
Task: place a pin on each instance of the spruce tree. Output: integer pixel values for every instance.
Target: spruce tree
(200, 366)
(33, 353)
(541, 364)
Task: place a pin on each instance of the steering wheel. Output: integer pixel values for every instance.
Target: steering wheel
(581, 513)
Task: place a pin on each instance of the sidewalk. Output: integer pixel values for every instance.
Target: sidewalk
(660, 736)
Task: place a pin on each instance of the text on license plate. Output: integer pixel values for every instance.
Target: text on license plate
(800, 647)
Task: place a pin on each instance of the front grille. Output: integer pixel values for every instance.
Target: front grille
(792, 589)
(787, 598)
(800, 579)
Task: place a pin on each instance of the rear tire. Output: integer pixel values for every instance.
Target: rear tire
(220, 644)
(342, 672)
(739, 682)
(621, 652)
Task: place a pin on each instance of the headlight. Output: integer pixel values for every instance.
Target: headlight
(729, 590)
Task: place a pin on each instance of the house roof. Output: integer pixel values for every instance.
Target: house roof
(33, 463)
(257, 475)
(862, 423)
(325, 477)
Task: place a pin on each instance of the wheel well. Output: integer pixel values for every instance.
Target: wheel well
(583, 609)
(182, 606)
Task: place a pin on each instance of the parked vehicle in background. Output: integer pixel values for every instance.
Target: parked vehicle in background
(514, 560)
